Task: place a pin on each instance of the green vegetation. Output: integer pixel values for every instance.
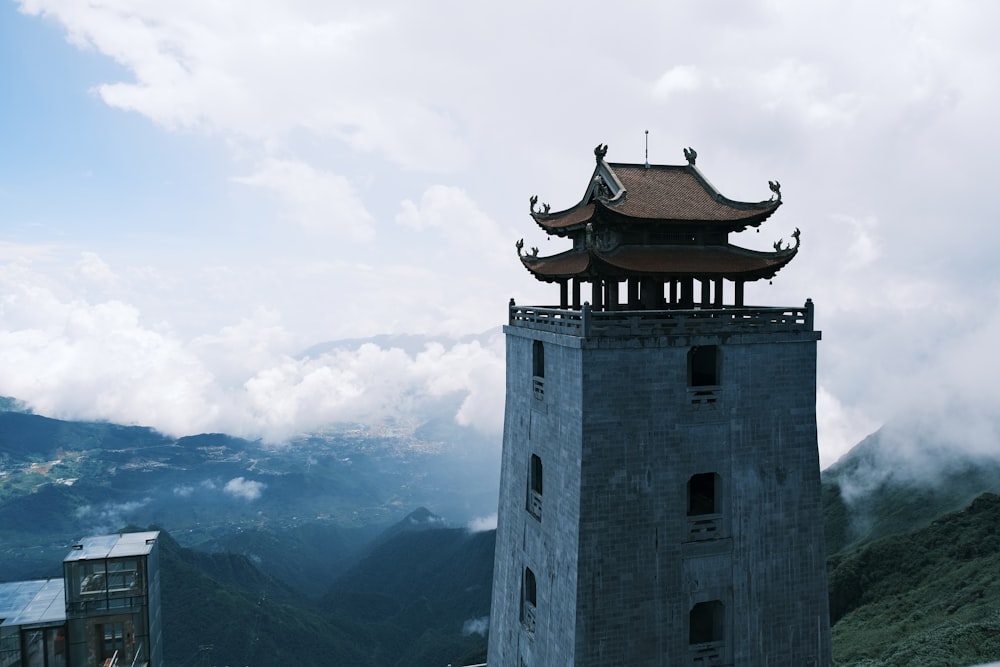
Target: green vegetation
(927, 598)
(402, 605)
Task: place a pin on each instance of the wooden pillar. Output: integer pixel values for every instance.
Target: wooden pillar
(718, 292)
(658, 294)
(738, 297)
(633, 293)
(597, 295)
(563, 294)
(687, 293)
(706, 292)
(673, 293)
(611, 294)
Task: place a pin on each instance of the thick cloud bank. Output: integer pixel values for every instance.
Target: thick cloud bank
(267, 176)
(74, 359)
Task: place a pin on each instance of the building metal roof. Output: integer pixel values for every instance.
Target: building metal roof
(38, 602)
(113, 546)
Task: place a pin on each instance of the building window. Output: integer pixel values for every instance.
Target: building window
(111, 638)
(535, 487)
(706, 623)
(701, 494)
(529, 600)
(538, 369)
(703, 373)
(704, 507)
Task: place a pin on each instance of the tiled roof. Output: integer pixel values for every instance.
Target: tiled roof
(665, 262)
(670, 194)
(679, 193)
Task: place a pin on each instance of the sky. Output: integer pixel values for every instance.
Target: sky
(193, 194)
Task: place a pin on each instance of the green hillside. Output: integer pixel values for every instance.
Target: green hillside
(404, 603)
(930, 598)
(892, 484)
(219, 609)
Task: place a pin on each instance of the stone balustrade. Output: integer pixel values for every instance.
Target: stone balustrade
(589, 323)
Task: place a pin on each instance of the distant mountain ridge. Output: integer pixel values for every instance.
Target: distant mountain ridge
(876, 489)
(319, 559)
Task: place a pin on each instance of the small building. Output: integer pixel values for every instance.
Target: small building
(660, 493)
(104, 612)
(33, 624)
(113, 600)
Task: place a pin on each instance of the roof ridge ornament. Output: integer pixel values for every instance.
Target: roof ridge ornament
(534, 202)
(795, 235)
(775, 188)
(600, 152)
(690, 155)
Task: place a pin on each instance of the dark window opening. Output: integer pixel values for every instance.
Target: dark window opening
(537, 359)
(535, 487)
(111, 638)
(538, 370)
(701, 494)
(536, 474)
(706, 623)
(703, 366)
(528, 600)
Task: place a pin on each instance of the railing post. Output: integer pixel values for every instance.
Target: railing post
(585, 319)
(809, 314)
(510, 311)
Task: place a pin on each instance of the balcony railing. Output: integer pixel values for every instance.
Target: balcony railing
(704, 527)
(709, 654)
(535, 504)
(588, 323)
(529, 618)
(538, 387)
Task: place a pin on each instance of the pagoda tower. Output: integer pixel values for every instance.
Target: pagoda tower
(659, 493)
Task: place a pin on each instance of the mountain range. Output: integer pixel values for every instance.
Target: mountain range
(325, 548)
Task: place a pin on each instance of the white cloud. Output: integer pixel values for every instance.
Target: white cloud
(678, 79)
(91, 267)
(341, 111)
(321, 202)
(476, 626)
(245, 489)
(865, 246)
(481, 523)
(840, 427)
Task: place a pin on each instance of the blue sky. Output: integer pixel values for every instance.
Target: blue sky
(192, 194)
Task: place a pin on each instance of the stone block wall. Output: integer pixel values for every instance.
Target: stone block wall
(618, 572)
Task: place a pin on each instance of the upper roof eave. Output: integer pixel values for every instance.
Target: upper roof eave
(668, 194)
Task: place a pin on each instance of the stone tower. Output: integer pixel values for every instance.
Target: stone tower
(659, 493)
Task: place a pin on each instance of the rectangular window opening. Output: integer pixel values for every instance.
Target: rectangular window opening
(704, 507)
(704, 373)
(528, 600)
(535, 487)
(538, 369)
(706, 623)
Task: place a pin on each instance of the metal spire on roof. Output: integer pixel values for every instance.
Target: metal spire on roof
(647, 149)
